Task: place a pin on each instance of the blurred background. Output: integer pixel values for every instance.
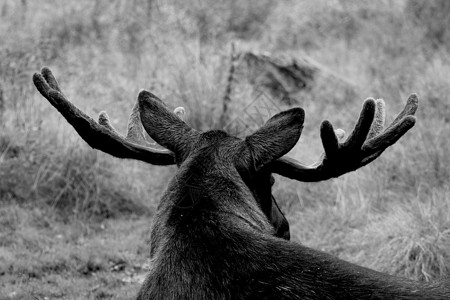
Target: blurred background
(74, 222)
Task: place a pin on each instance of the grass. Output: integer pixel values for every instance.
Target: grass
(74, 222)
(73, 260)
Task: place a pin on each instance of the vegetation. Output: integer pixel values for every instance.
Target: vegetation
(74, 222)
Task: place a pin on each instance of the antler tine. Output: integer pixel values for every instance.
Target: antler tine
(389, 137)
(50, 79)
(135, 130)
(339, 134)
(102, 135)
(179, 111)
(103, 119)
(368, 141)
(410, 109)
(379, 119)
(363, 126)
(133, 134)
(402, 123)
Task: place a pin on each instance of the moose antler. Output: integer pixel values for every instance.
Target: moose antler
(102, 135)
(367, 141)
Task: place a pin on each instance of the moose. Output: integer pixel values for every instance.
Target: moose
(214, 234)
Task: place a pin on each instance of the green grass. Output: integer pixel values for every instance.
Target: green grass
(74, 222)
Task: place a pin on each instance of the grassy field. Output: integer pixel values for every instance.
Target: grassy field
(74, 222)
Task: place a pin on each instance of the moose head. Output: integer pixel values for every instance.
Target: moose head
(214, 234)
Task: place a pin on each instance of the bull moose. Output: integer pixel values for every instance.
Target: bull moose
(214, 235)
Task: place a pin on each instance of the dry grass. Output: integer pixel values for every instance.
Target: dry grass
(73, 222)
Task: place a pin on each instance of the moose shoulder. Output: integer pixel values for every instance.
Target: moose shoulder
(212, 237)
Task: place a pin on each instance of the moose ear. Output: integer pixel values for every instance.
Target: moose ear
(277, 137)
(162, 125)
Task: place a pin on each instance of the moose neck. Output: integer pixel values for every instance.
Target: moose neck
(204, 203)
